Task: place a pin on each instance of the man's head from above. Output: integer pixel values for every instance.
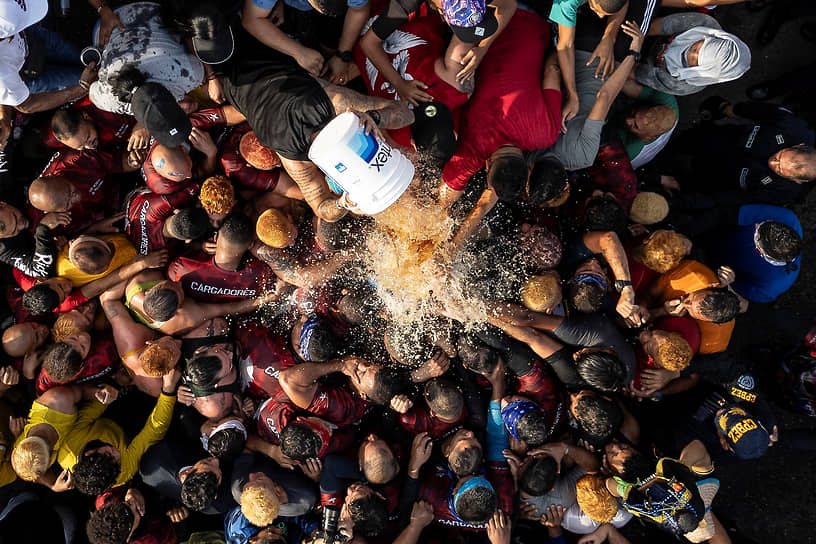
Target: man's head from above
(23, 338)
(474, 499)
(114, 523)
(90, 254)
(409, 346)
(234, 236)
(507, 172)
(587, 288)
(525, 420)
(741, 433)
(601, 369)
(797, 163)
(595, 499)
(379, 384)
(433, 134)
(226, 438)
(188, 224)
(714, 305)
(64, 359)
(76, 321)
(475, 355)
(31, 458)
(368, 510)
(647, 122)
(777, 242)
(45, 296)
(313, 339)
(540, 247)
(605, 8)
(162, 301)
(663, 250)
(75, 129)
(537, 475)
(463, 452)
(211, 365)
(548, 182)
(276, 229)
(53, 194)
(603, 213)
(668, 350)
(261, 499)
(542, 293)
(199, 484)
(444, 399)
(256, 154)
(598, 417)
(217, 197)
(622, 460)
(12, 221)
(377, 461)
(160, 356)
(97, 468)
(359, 305)
(306, 438)
(173, 163)
(648, 208)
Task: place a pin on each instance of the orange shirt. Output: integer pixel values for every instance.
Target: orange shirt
(687, 278)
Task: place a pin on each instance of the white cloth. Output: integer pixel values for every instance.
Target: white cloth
(576, 521)
(650, 150)
(151, 48)
(17, 15)
(722, 57)
(13, 90)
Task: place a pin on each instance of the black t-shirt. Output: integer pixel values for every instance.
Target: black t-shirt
(395, 14)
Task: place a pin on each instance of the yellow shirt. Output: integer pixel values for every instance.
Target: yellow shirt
(39, 413)
(89, 426)
(123, 253)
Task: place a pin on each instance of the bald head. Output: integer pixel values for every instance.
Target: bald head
(20, 339)
(53, 194)
(173, 163)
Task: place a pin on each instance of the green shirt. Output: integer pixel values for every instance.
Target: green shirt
(650, 97)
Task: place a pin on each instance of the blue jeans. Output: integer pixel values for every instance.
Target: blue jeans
(62, 66)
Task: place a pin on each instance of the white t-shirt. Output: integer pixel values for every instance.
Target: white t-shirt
(576, 521)
(17, 15)
(13, 90)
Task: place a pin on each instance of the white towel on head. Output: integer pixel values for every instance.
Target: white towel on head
(722, 57)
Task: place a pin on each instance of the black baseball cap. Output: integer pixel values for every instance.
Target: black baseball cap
(433, 131)
(219, 45)
(470, 20)
(154, 107)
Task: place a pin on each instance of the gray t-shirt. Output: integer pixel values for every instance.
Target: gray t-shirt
(563, 492)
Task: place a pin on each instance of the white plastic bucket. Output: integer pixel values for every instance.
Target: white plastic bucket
(372, 173)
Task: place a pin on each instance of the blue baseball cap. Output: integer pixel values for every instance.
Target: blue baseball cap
(470, 20)
(746, 436)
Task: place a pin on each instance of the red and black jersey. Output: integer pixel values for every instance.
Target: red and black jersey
(204, 281)
(75, 298)
(264, 355)
(113, 128)
(337, 405)
(206, 119)
(146, 213)
(241, 172)
(100, 362)
(419, 419)
(539, 385)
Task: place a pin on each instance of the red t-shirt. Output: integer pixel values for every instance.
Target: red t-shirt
(239, 171)
(204, 281)
(100, 362)
(203, 119)
(539, 386)
(419, 419)
(146, 213)
(113, 128)
(337, 405)
(508, 106)
(612, 173)
(264, 355)
(74, 299)
(684, 326)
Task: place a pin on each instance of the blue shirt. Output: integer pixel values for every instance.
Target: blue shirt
(756, 279)
(302, 5)
(565, 12)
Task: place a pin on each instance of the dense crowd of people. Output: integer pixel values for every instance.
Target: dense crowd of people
(211, 336)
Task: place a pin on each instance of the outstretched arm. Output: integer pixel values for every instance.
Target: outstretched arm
(613, 86)
(157, 259)
(300, 381)
(315, 190)
(393, 114)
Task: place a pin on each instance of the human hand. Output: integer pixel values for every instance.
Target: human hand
(185, 395)
(470, 62)
(569, 110)
(171, 379)
(401, 404)
(53, 220)
(201, 140)
(178, 514)
(338, 71)
(9, 376)
(655, 379)
(553, 516)
(312, 468)
(156, 259)
(248, 407)
(726, 275)
(586, 445)
(774, 438)
(556, 450)
(139, 137)
(137, 157)
(16, 425)
(89, 73)
(106, 394)
(434, 367)
(413, 91)
(136, 500)
(604, 52)
(107, 225)
(284, 461)
(519, 447)
(599, 535)
(108, 20)
(369, 125)
(267, 534)
(31, 362)
(215, 90)
(674, 307)
(208, 246)
(498, 528)
(626, 302)
(421, 449)
(670, 184)
(529, 511)
(64, 482)
(639, 316)
(632, 29)
(422, 514)
(310, 60)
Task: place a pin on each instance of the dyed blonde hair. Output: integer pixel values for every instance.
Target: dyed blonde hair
(31, 458)
(217, 195)
(540, 293)
(273, 228)
(156, 360)
(595, 499)
(663, 251)
(673, 352)
(64, 327)
(259, 504)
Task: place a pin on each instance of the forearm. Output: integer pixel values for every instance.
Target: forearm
(566, 61)
(611, 89)
(614, 23)
(447, 196)
(305, 374)
(410, 535)
(97, 287)
(504, 12)
(207, 167)
(315, 190)
(48, 101)
(352, 25)
(541, 344)
(232, 115)
(588, 462)
(265, 31)
(371, 45)
(681, 384)
(612, 250)
(486, 203)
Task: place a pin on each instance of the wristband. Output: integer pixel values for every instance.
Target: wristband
(345, 56)
(173, 394)
(84, 85)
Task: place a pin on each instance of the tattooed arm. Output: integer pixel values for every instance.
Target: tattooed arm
(288, 270)
(315, 190)
(392, 114)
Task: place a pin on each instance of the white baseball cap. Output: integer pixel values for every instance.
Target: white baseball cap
(17, 15)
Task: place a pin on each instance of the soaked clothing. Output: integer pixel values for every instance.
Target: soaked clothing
(419, 419)
(146, 213)
(264, 355)
(205, 281)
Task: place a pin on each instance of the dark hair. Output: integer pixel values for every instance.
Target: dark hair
(202, 370)
(124, 81)
(779, 241)
(300, 442)
(602, 370)
(611, 6)
(226, 444)
(466, 462)
(507, 174)
(160, 304)
(636, 467)
(62, 362)
(190, 223)
(476, 504)
(598, 417)
(547, 180)
(444, 398)
(95, 473)
(41, 299)
(475, 355)
(686, 520)
(237, 229)
(324, 344)
(604, 214)
(111, 524)
(90, 259)
(388, 383)
(532, 428)
(359, 305)
(369, 515)
(538, 476)
(65, 123)
(586, 297)
(719, 305)
(199, 489)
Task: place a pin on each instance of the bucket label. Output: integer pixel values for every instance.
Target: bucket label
(382, 157)
(365, 146)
